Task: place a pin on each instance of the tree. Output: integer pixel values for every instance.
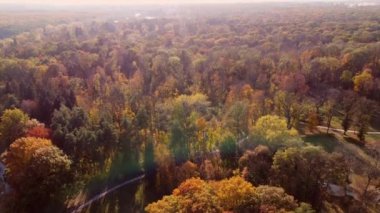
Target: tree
(363, 116)
(272, 130)
(328, 110)
(149, 162)
(228, 150)
(74, 134)
(236, 194)
(275, 197)
(348, 101)
(197, 196)
(179, 144)
(39, 132)
(289, 105)
(12, 126)
(312, 121)
(363, 82)
(233, 194)
(256, 165)
(237, 118)
(17, 159)
(48, 171)
(36, 170)
(346, 78)
(305, 171)
(185, 111)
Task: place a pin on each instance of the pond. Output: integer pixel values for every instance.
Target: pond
(132, 197)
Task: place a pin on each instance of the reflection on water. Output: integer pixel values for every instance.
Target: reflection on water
(130, 198)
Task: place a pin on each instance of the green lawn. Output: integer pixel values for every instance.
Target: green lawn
(327, 141)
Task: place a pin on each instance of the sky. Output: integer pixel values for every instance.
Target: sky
(84, 2)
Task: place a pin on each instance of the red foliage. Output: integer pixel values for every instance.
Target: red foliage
(39, 132)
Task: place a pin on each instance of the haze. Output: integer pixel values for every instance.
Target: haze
(84, 2)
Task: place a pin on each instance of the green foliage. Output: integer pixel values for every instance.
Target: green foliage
(12, 126)
(304, 171)
(228, 150)
(272, 130)
(237, 118)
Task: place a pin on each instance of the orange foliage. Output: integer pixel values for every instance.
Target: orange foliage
(19, 154)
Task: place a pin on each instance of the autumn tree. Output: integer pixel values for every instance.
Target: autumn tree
(48, 171)
(272, 130)
(255, 165)
(304, 171)
(18, 157)
(37, 170)
(193, 195)
(233, 194)
(39, 132)
(289, 106)
(363, 82)
(236, 194)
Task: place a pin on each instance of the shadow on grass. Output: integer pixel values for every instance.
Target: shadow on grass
(354, 141)
(327, 141)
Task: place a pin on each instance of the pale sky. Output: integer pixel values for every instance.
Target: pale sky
(53, 2)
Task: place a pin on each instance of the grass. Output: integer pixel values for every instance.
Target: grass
(328, 141)
(336, 123)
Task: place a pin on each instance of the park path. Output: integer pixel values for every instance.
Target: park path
(348, 131)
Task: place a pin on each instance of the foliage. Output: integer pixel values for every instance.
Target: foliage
(256, 165)
(305, 171)
(12, 126)
(233, 194)
(17, 158)
(37, 171)
(272, 130)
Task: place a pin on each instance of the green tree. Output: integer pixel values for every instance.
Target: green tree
(272, 130)
(237, 119)
(305, 171)
(13, 125)
(229, 151)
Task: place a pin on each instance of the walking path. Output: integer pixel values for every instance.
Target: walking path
(348, 131)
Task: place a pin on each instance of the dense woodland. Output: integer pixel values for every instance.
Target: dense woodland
(211, 103)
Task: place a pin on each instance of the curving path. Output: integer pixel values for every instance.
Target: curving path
(348, 131)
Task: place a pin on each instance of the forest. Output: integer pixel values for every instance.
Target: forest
(213, 108)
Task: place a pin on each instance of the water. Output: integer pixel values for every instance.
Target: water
(133, 197)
